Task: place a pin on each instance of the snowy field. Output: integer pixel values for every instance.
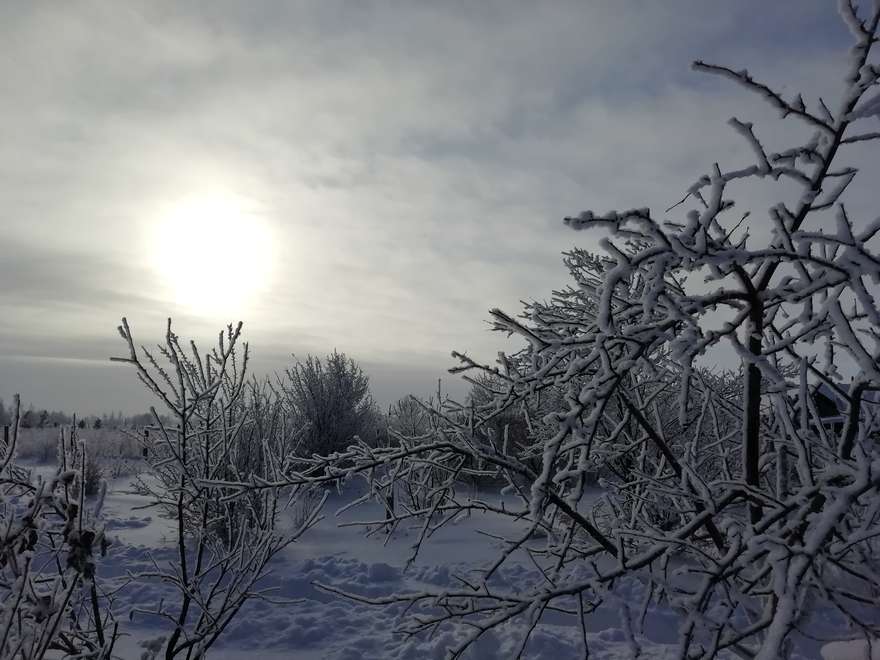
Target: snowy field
(322, 625)
(307, 622)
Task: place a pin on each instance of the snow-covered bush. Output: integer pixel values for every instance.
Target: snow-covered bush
(330, 398)
(41, 445)
(729, 498)
(408, 417)
(93, 475)
(50, 601)
(38, 445)
(226, 429)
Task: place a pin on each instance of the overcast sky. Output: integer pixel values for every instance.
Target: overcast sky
(370, 176)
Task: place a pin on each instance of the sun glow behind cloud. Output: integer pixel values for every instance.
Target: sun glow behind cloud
(402, 192)
(213, 254)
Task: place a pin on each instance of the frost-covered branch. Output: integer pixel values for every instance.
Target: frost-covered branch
(49, 546)
(622, 454)
(226, 429)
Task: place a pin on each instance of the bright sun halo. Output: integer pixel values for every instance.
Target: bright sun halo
(213, 255)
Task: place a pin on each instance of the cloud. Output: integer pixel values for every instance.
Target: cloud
(413, 159)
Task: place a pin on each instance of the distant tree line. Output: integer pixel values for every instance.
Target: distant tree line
(39, 418)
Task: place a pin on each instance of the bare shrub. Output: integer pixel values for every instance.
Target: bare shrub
(223, 433)
(49, 544)
(93, 475)
(330, 398)
(41, 445)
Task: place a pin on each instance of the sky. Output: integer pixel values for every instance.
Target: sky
(366, 176)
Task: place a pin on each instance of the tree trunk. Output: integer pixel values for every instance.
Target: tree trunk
(752, 393)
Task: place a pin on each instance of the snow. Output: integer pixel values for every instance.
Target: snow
(310, 623)
(318, 624)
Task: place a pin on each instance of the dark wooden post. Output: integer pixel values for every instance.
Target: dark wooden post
(146, 448)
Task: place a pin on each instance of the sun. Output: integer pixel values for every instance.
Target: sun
(213, 254)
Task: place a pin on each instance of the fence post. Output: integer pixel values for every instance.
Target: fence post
(146, 447)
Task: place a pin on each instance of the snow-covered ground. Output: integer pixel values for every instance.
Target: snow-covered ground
(321, 625)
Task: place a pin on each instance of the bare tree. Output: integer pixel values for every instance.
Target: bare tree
(226, 429)
(728, 497)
